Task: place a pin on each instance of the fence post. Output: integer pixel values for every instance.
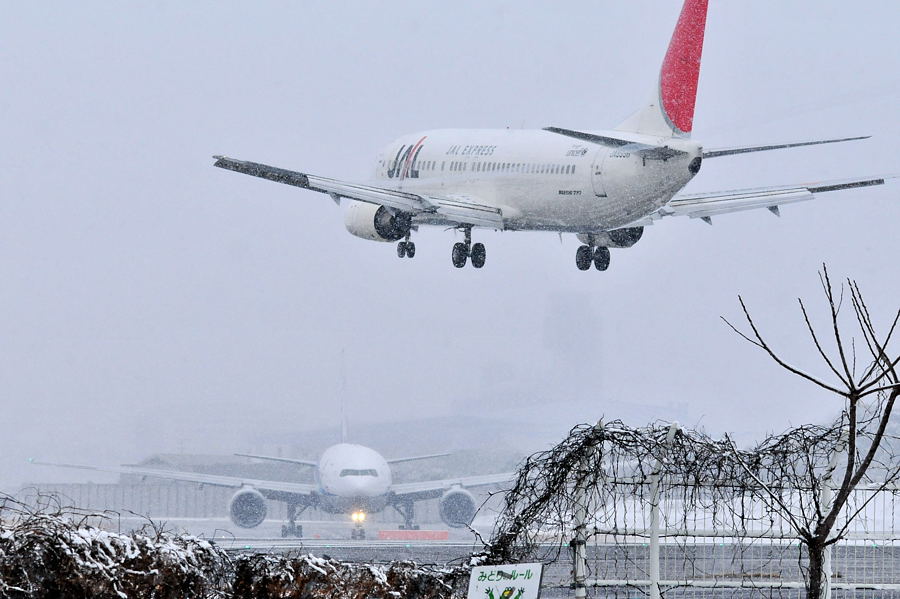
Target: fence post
(579, 533)
(826, 496)
(654, 518)
(578, 542)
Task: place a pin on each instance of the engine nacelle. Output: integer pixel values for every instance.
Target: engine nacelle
(457, 507)
(376, 223)
(617, 238)
(247, 508)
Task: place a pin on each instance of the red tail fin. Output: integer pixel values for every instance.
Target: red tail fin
(681, 67)
(672, 112)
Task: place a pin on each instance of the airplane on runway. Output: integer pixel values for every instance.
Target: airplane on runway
(349, 479)
(603, 186)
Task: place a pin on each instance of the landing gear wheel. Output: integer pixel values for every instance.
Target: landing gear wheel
(583, 257)
(410, 249)
(601, 258)
(402, 249)
(459, 255)
(479, 255)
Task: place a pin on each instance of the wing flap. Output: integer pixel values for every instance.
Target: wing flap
(707, 205)
(465, 210)
(715, 204)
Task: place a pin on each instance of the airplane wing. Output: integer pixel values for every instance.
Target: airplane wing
(269, 488)
(716, 152)
(707, 205)
(430, 489)
(451, 210)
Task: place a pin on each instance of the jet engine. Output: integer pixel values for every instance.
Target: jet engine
(247, 508)
(617, 238)
(457, 507)
(376, 223)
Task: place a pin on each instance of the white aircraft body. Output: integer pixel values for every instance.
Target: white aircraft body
(604, 186)
(349, 479)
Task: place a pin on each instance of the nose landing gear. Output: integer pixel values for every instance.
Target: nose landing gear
(358, 532)
(585, 255)
(467, 250)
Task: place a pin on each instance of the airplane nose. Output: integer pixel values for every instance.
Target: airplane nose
(357, 486)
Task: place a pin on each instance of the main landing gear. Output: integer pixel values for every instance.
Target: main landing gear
(406, 248)
(292, 529)
(467, 250)
(408, 510)
(586, 255)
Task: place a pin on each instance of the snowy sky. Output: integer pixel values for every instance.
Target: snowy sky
(150, 302)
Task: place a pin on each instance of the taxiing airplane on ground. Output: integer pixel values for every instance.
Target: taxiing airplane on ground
(604, 186)
(349, 479)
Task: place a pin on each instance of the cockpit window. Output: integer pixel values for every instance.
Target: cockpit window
(352, 472)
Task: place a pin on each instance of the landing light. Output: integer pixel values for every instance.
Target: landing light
(358, 517)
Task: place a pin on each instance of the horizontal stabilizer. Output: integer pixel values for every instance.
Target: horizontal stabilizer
(649, 152)
(417, 458)
(277, 459)
(716, 152)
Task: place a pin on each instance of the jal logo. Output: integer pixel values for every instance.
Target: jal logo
(404, 164)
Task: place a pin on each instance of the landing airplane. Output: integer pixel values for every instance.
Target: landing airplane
(349, 479)
(603, 186)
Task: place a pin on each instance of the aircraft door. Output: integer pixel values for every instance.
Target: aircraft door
(597, 173)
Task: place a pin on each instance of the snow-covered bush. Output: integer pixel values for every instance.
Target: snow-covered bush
(59, 553)
(309, 577)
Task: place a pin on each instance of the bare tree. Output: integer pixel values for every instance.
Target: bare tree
(869, 385)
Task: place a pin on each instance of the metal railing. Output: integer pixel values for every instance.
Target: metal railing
(668, 540)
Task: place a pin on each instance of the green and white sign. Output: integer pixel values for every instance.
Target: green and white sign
(513, 581)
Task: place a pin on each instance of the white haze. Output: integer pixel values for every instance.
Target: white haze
(150, 302)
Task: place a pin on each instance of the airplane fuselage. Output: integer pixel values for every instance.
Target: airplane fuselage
(352, 478)
(541, 180)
